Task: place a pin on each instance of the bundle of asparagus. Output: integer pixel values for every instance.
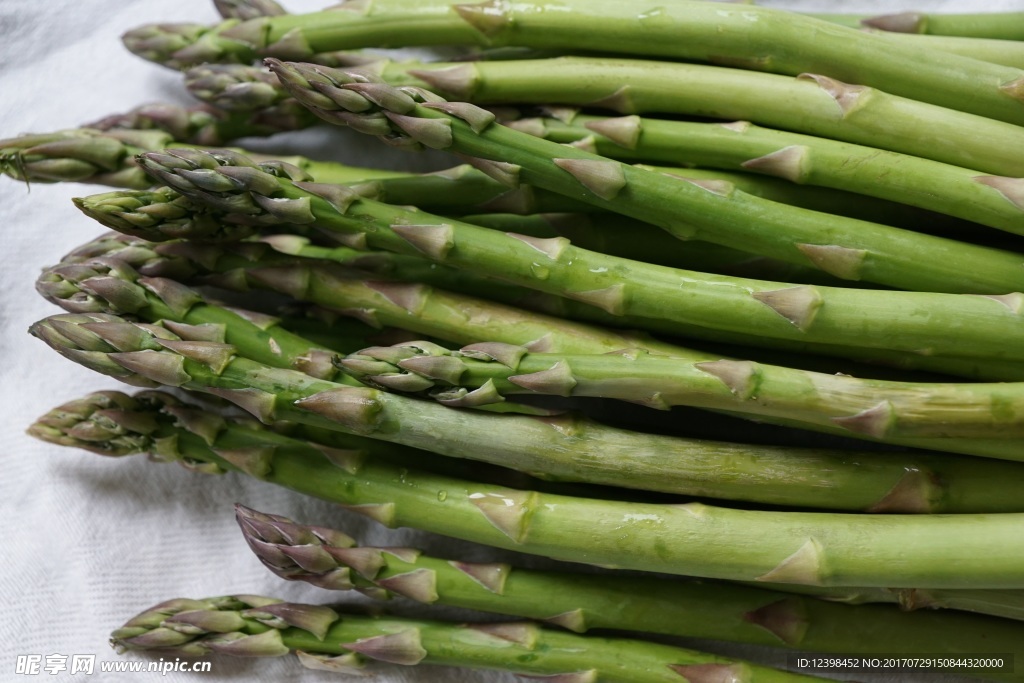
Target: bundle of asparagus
(779, 367)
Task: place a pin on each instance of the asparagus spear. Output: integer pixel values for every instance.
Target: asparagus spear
(760, 38)
(206, 125)
(82, 155)
(900, 551)
(99, 276)
(580, 450)
(581, 602)
(716, 212)
(323, 639)
(894, 412)
(761, 309)
(108, 158)
(798, 158)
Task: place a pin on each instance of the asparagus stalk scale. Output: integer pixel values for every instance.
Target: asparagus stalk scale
(762, 309)
(899, 551)
(323, 639)
(758, 38)
(568, 448)
(581, 602)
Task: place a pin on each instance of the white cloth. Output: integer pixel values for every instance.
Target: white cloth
(91, 541)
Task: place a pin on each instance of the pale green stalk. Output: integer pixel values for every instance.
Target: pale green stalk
(962, 418)
(326, 640)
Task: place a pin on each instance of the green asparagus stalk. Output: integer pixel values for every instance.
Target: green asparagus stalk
(872, 319)
(752, 37)
(206, 125)
(798, 158)
(1004, 52)
(581, 602)
(890, 412)
(901, 551)
(716, 212)
(323, 639)
(113, 424)
(575, 449)
(108, 158)
(1006, 604)
(602, 235)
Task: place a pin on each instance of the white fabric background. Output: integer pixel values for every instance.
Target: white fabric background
(87, 541)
